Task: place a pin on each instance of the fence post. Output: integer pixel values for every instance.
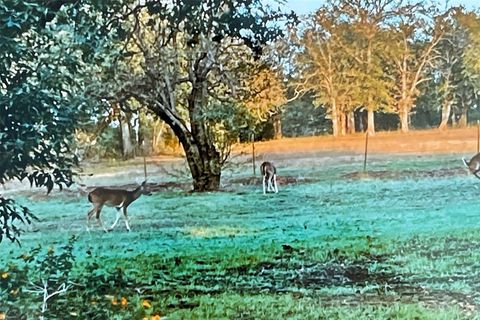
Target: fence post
(253, 153)
(366, 153)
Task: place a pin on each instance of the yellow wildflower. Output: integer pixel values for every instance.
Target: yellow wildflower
(124, 301)
(155, 317)
(5, 275)
(114, 302)
(2, 316)
(146, 304)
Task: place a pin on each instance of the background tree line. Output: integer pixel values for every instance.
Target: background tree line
(356, 66)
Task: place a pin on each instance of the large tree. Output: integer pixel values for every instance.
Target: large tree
(455, 87)
(340, 60)
(184, 62)
(414, 36)
(322, 67)
(366, 44)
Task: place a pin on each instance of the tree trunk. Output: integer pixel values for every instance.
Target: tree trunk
(342, 123)
(454, 120)
(158, 127)
(463, 121)
(128, 148)
(204, 167)
(404, 118)
(277, 126)
(446, 110)
(361, 121)
(371, 122)
(334, 117)
(351, 122)
(202, 157)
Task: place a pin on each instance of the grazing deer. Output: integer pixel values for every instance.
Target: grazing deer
(118, 198)
(473, 165)
(269, 173)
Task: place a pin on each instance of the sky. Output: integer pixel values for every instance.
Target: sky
(308, 6)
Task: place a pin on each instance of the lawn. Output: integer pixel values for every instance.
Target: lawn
(400, 242)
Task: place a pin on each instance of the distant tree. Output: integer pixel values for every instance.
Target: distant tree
(265, 95)
(340, 59)
(414, 38)
(471, 22)
(468, 89)
(301, 117)
(323, 68)
(456, 88)
(365, 43)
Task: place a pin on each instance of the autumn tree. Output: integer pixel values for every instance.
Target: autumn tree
(322, 68)
(365, 44)
(414, 37)
(454, 85)
(340, 58)
(265, 96)
(468, 94)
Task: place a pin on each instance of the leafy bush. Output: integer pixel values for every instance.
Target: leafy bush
(49, 283)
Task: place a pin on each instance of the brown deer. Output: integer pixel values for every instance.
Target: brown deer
(118, 198)
(473, 165)
(269, 173)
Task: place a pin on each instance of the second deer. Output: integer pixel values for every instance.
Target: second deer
(118, 198)
(473, 165)
(269, 173)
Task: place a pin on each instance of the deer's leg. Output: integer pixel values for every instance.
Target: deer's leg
(476, 173)
(126, 218)
(116, 219)
(89, 216)
(270, 185)
(275, 183)
(264, 182)
(99, 219)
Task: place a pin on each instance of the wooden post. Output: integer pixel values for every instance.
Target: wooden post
(144, 161)
(366, 153)
(253, 153)
(478, 136)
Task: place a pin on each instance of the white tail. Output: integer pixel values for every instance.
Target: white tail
(119, 198)
(473, 165)
(269, 173)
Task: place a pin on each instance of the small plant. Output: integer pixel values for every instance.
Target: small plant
(45, 275)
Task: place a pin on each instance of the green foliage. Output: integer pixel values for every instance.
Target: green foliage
(11, 214)
(25, 286)
(302, 118)
(90, 290)
(42, 73)
(36, 121)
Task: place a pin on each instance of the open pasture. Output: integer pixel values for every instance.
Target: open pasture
(400, 242)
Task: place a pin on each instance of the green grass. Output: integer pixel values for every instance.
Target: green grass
(337, 248)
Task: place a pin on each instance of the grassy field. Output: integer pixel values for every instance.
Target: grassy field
(400, 242)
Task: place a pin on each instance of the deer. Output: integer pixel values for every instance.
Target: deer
(473, 165)
(269, 173)
(118, 198)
